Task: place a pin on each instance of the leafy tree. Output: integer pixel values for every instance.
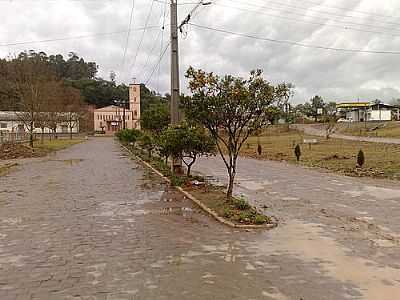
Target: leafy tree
(156, 118)
(231, 108)
(129, 136)
(330, 109)
(187, 143)
(147, 143)
(310, 109)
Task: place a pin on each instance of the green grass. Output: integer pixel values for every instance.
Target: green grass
(56, 145)
(381, 160)
(385, 129)
(238, 211)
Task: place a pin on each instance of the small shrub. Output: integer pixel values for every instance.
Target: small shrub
(360, 158)
(297, 152)
(259, 149)
(128, 136)
(177, 180)
(260, 219)
(244, 217)
(241, 204)
(228, 213)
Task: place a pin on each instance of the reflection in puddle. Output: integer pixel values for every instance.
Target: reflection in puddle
(69, 162)
(306, 242)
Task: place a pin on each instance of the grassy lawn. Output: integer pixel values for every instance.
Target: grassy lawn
(56, 145)
(387, 129)
(381, 160)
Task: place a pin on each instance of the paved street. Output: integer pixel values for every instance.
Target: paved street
(318, 131)
(352, 224)
(90, 223)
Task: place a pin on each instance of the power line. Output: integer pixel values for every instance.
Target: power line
(142, 37)
(158, 62)
(302, 14)
(162, 43)
(292, 43)
(74, 37)
(318, 11)
(307, 22)
(346, 9)
(129, 32)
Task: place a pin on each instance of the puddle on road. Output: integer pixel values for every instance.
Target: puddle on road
(69, 162)
(375, 192)
(307, 242)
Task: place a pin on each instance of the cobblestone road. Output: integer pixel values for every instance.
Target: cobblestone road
(89, 223)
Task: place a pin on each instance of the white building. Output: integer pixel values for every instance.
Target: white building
(368, 112)
(11, 122)
(110, 119)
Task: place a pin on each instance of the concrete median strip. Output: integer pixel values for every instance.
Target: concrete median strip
(199, 203)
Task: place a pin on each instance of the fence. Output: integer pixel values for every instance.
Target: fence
(13, 137)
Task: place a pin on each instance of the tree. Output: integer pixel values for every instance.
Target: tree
(29, 80)
(187, 143)
(147, 143)
(360, 158)
(297, 152)
(155, 118)
(311, 109)
(330, 127)
(231, 108)
(74, 108)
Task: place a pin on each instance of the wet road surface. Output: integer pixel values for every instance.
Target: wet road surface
(90, 223)
(351, 225)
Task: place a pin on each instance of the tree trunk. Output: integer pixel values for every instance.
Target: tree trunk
(42, 137)
(31, 134)
(70, 133)
(230, 186)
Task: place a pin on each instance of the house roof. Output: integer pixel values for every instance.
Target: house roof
(111, 108)
(353, 104)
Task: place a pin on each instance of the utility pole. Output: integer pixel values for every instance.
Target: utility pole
(174, 64)
(175, 91)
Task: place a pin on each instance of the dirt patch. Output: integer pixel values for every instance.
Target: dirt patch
(336, 156)
(237, 211)
(14, 151)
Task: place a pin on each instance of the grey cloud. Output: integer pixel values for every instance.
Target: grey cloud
(334, 75)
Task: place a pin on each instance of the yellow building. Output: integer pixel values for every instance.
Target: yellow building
(110, 119)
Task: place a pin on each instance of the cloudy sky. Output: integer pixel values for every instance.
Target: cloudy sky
(97, 30)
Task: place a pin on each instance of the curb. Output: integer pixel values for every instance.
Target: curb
(199, 203)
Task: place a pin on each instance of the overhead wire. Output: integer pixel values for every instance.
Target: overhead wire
(74, 37)
(345, 27)
(293, 43)
(142, 37)
(129, 33)
(291, 6)
(158, 62)
(323, 19)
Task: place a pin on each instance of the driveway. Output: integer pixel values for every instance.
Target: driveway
(315, 130)
(90, 223)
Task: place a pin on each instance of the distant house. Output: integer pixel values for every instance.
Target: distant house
(11, 122)
(110, 119)
(367, 112)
